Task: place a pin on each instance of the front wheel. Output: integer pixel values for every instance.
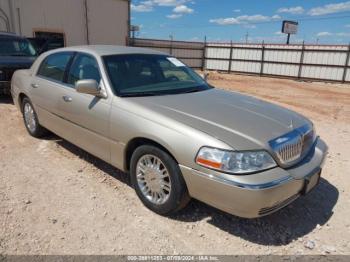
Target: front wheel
(31, 119)
(157, 180)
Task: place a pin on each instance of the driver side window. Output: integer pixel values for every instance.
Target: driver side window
(83, 67)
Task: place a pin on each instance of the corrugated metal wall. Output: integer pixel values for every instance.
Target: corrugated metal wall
(314, 62)
(319, 62)
(102, 22)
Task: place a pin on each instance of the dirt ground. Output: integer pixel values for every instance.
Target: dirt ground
(58, 199)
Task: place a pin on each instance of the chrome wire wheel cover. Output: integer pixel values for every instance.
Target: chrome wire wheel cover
(29, 117)
(153, 179)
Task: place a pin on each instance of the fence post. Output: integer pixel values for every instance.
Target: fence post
(301, 62)
(204, 67)
(230, 61)
(346, 65)
(262, 58)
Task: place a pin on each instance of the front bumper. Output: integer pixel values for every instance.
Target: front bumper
(5, 87)
(259, 194)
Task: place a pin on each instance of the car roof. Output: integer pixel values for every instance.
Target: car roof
(105, 50)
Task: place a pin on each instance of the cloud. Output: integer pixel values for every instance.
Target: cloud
(182, 9)
(297, 10)
(278, 33)
(148, 5)
(348, 26)
(323, 34)
(343, 34)
(248, 26)
(145, 6)
(196, 38)
(174, 16)
(330, 9)
(244, 19)
(237, 10)
(169, 2)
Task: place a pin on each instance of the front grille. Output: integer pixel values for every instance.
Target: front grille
(291, 150)
(293, 145)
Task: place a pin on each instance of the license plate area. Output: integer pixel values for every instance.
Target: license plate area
(310, 182)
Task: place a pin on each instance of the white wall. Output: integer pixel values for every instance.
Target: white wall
(274, 59)
(4, 5)
(107, 19)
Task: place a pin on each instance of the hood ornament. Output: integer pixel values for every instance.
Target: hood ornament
(291, 125)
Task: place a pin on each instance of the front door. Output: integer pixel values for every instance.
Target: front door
(87, 114)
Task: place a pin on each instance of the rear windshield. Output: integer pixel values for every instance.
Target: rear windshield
(147, 75)
(16, 47)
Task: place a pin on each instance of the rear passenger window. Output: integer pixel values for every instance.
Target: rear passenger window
(54, 66)
(84, 67)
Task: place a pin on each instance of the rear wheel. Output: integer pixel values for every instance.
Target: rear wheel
(157, 180)
(31, 119)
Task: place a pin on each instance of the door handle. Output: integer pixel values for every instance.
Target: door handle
(34, 85)
(67, 98)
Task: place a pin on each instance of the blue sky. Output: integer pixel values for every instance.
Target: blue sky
(323, 21)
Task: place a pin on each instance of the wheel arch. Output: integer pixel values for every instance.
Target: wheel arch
(136, 142)
(21, 96)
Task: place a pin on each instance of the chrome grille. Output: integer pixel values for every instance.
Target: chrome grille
(290, 150)
(293, 145)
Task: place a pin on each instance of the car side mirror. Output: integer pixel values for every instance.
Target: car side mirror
(88, 86)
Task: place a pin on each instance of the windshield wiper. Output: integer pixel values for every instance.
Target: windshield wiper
(138, 94)
(194, 90)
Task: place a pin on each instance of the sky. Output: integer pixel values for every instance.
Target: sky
(320, 21)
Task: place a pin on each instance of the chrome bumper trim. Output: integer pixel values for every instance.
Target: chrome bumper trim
(271, 184)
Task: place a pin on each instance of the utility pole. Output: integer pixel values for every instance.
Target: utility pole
(171, 43)
(134, 29)
(246, 37)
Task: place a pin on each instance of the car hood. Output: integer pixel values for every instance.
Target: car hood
(16, 61)
(241, 121)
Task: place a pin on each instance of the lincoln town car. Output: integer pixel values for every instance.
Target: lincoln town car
(175, 135)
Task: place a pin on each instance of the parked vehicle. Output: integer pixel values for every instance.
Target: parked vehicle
(15, 53)
(44, 44)
(153, 117)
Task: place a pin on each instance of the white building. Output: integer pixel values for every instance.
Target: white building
(75, 22)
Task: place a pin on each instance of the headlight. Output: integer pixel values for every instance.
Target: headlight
(237, 162)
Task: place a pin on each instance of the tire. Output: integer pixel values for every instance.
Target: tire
(30, 119)
(177, 196)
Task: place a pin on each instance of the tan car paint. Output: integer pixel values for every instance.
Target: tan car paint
(182, 124)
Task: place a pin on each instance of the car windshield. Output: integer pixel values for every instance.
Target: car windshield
(148, 75)
(16, 47)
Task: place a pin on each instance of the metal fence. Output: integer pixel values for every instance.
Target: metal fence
(191, 53)
(308, 62)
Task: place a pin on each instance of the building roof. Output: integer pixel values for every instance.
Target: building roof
(104, 50)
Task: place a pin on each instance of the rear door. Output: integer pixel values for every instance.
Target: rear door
(87, 115)
(46, 84)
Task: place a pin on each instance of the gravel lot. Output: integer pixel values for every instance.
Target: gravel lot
(58, 199)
